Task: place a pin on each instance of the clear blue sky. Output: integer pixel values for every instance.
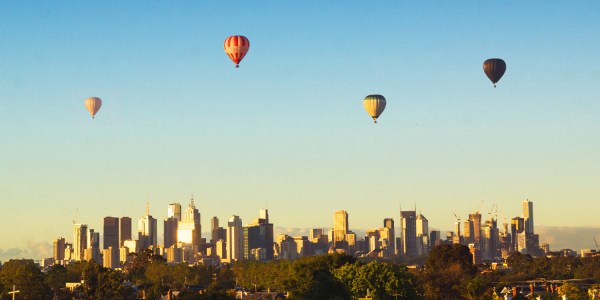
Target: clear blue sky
(287, 129)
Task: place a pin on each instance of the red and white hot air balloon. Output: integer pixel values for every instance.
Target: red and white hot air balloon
(93, 105)
(236, 47)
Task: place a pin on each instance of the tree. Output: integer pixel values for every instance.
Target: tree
(446, 268)
(383, 280)
(27, 277)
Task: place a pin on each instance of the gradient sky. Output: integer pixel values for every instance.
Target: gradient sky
(287, 130)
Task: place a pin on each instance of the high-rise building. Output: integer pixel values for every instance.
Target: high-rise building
(258, 238)
(79, 241)
(340, 229)
(408, 229)
(110, 257)
(147, 231)
(170, 231)
(174, 211)
(111, 233)
(476, 219)
(528, 216)
(234, 239)
(214, 230)
(125, 230)
(517, 226)
(389, 224)
(189, 230)
(468, 232)
(59, 249)
(422, 232)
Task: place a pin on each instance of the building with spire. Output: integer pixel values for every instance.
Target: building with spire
(408, 229)
(189, 230)
(147, 231)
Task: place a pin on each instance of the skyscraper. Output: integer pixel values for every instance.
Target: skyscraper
(528, 216)
(234, 239)
(147, 232)
(79, 240)
(59, 249)
(111, 233)
(214, 230)
(174, 211)
(125, 228)
(189, 230)
(340, 229)
(389, 224)
(476, 219)
(422, 232)
(408, 228)
(170, 231)
(258, 237)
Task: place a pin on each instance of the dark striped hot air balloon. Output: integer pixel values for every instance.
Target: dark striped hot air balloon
(494, 68)
(236, 47)
(374, 105)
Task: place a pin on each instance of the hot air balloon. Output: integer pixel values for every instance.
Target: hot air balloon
(93, 105)
(374, 105)
(236, 46)
(494, 68)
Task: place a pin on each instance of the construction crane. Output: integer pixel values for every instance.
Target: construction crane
(596, 244)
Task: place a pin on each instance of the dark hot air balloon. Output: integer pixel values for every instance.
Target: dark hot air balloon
(374, 105)
(494, 68)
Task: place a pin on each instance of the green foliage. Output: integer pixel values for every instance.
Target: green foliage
(27, 277)
(447, 268)
(382, 280)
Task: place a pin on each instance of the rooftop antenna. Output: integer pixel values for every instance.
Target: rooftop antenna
(147, 207)
(192, 201)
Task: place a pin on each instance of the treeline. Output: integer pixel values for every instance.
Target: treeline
(448, 273)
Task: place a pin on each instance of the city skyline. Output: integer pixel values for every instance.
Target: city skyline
(287, 130)
(419, 230)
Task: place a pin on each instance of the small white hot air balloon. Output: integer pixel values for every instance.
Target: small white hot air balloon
(93, 105)
(374, 105)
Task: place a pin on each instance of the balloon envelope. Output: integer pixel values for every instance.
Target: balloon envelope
(93, 105)
(494, 68)
(236, 47)
(374, 105)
